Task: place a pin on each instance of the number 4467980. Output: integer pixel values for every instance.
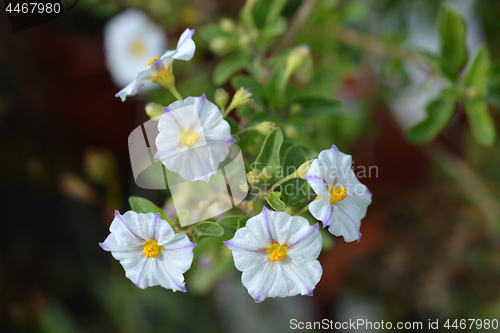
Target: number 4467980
(472, 323)
(34, 7)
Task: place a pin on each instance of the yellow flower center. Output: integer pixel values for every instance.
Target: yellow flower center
(151, 249)
(277, 252)
(151, 60)
(189, 138)
(137, 48)
(337, 195)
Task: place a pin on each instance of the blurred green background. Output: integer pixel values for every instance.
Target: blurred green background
(430, 246)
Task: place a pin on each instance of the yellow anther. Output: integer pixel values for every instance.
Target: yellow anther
(151, 249)
(192, 139)
(151, 60)
(337, 195)
(277, 252)
(189, 138)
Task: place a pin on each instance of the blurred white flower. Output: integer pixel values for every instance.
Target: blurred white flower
(277, 254)
(342, 200)
(130, 40)
(193, 138)
(159, 69)
(149, 250)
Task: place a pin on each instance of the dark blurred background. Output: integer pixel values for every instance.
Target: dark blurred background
(430, 246)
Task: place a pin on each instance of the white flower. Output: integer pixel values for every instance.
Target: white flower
(158, 69)
(342, 199)
(277, 254)
(130, 40)
(149, 250)
(193, 138)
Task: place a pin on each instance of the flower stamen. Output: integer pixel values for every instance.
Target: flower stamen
(337, 195)
(189, 138)
(151, 60)
(277, 252)
(137, 48)
(151, 249)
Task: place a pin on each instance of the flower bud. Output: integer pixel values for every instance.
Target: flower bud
(304, 168)
(265, 175)
(227, 25)
(153, 110)
(99, 165)
(244, 187)
(221, 98)
(251, 205)
(265, 127)
(253, 177)
(291, 131)
(220, 45)
(297, 58)
(241, 98)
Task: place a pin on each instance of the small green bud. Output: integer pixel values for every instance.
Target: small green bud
(304, 168)
(99, 165)
(251, 205)
(297, 58)
(153, 110)
(241, 98)
(265, 175)
(244, 187)
(227, 25)
(471, 92)
(291, 131)
(295, 108)
(221, 98)
(253, 177)
(220, 45)
(265, 127)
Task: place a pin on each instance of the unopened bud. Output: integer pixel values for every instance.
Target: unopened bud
(221, 98)
(153, 110)
(251, 205)
(227, 25)
(99, 165)
(220, 45)
(291, 131)
(241, 98)
(265, 175)
(297, 58)
(304, 168)
(253, 177)
(265, 127)
(244, 187)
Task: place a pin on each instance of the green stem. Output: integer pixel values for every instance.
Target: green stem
(174, 92)
(278, 183)
(245, 130)
(229, 109)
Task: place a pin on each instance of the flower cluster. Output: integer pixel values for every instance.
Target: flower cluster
(276, 252)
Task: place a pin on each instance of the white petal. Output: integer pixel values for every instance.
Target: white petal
(322, 210)
(305, 243)
(302, 276)
(133, 88)
(318, 179)
(345, 223)
(185, 46)
(345, 169)
(330, 159)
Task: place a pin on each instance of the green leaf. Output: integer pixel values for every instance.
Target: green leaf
(208, 229)
(294, 191)
(228, 67)
(452, 32)
(239, 81)
(242, 221)
(317, 106)
(481, 123)
(273, 87)
(477, 73)
(141, 205)
(439, 113)
(270, 31)
(229, 223)
(210, 32)
(269, 155)
(273, 199)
